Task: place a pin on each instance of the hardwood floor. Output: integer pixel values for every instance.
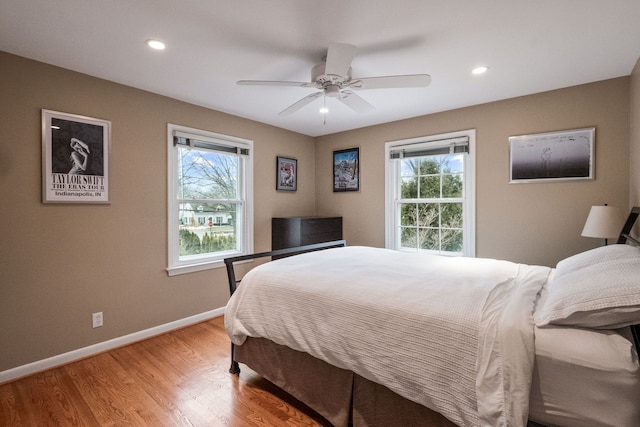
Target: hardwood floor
(177, 379)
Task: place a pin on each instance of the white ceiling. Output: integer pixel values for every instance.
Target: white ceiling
(530, 46)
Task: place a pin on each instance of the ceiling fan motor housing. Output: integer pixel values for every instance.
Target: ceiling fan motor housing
(330, 82)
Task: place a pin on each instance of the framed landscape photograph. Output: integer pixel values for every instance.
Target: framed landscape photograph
(346, 170)
(75, 158)
(564, 155)
(286, 174)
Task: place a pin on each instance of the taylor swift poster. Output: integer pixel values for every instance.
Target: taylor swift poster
(75, 158)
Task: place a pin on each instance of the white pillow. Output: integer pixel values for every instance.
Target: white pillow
(597, 289)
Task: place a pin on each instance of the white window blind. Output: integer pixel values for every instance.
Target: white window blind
(207, 143)
(431, 148)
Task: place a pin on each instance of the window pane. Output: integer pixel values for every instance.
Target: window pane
(207, 228)
(430, 165)
(429, 239)
(428, 215)
(204, 174)
(408, 215)
(408, 238)
(410, 167)
(451, 240)
(430, 187)
(451, 215)
(452, 164)
(452, 186)
(409, 188)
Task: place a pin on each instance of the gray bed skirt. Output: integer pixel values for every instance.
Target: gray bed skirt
(340, 396)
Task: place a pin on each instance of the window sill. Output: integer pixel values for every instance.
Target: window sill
(193, 268)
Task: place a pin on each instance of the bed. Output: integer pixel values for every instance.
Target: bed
(368, 336)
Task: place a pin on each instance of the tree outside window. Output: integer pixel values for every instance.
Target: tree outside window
(431, 203)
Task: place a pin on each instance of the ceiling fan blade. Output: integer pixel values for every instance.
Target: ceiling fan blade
(355, 102)
(273, 83)
(298, 105)
(410, 80)
(339, 57)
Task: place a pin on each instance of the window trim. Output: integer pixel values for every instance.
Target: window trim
(245, 150)
(392, 170)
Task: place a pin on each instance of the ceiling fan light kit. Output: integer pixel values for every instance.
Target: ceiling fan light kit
(333, 78)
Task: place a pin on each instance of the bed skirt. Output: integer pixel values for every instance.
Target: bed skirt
(340, 396)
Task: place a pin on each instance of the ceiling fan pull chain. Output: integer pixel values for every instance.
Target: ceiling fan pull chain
(324, 122)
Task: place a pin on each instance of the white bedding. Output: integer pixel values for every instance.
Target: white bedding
(453, 334)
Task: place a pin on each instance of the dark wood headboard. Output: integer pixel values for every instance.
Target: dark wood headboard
(625, 234)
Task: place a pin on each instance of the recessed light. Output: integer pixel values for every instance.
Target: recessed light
(155, 44)
(480, 70)
(323, 110)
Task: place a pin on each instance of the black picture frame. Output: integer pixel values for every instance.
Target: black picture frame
(286, 174)
(346, 170)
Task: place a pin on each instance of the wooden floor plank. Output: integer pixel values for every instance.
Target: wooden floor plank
(176, 379)
(9, 412)
(112, 394)
(152, 380)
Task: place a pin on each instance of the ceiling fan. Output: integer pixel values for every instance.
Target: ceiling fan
(333, 78)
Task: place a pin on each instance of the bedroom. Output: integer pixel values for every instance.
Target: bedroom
(65, 262)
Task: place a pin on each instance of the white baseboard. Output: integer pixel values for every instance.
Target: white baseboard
(81, 353)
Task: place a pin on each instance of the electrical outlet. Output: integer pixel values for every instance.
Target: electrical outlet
(97, 319)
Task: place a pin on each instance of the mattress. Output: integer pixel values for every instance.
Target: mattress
(585, 377)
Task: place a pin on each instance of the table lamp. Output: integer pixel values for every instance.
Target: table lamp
(604, 222)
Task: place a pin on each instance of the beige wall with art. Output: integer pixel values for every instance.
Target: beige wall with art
(533, 223)
(60, 263)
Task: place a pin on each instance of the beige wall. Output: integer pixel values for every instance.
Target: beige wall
(634, 154)
(533, 223)
(60, 263)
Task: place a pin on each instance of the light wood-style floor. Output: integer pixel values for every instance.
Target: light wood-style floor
(177, 379)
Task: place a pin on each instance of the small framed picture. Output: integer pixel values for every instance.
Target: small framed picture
(75, 158)
(286, 174)
(346, 170)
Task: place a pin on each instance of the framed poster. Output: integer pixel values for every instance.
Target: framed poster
(75, 158)
(286, 174)
(564, 155)
(346, 170)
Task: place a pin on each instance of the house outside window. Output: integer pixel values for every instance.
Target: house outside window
(430, 194)
(210, 198)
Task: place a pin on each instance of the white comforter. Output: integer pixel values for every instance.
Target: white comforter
(453, 334)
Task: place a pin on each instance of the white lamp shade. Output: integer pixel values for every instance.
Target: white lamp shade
(604, 222)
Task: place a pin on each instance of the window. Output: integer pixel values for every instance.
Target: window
(430, 194)
(210, 198)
